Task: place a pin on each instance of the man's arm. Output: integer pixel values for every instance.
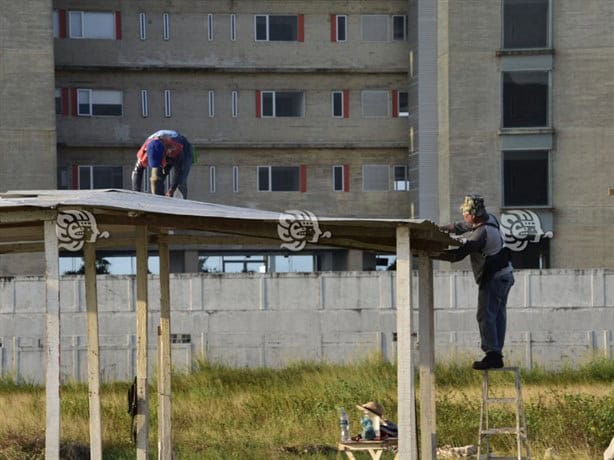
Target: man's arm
(475, 243)
(458, 228)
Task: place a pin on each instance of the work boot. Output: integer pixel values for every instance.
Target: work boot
(492, 360)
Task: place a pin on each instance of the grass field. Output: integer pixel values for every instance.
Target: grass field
(224, 413)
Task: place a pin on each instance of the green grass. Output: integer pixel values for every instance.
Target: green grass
(224, 413)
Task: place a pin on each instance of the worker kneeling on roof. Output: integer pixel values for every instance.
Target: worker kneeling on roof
(166, 152)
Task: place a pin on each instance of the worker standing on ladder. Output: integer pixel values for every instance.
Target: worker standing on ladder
(492, 270)
(165, 152)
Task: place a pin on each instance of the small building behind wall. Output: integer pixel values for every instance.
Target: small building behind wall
(45, 221)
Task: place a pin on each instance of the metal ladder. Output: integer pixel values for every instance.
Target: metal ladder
(486, 431)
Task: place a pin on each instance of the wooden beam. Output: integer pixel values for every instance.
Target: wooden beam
(20, 247)
(142, 396)
(405, 366)
(11, 217)
(93, 351)
(52, 345)
(426, 335)
(165, 447)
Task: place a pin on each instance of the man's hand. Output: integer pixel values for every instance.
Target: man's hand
(170, 192)
(446, 228)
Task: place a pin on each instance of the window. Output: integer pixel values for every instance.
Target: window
(337, 100)
(56, 24)
(234, 103)
(211, 179)
(58, 101)
(400, 104)
(399, 28)
(535, 255)
(279, 178)
(403, 104)
(526, 24)
(91, 102)
(526, 178)
(375, 178)
(166, 27)
(64, 178)
(282, 104)
(142, 26)
(375, 103)
(211, 99)
(278, 28)
(96, 177)
(210, 27)
(338, 31)
(144, 103)
(167, 103)
(525, 99)
(375, 27)
(401, 183)
(341, 178)
(235, 179)
(92, 24)
(233, 27)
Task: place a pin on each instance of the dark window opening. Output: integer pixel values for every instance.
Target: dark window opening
(525, 24)
(337, 104)
(525, 99)
(285, 178)
(526, 178)
(535, 255)
(341, 28)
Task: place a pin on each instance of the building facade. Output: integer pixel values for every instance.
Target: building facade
(525, 92)
(393, 108)
(290, 105)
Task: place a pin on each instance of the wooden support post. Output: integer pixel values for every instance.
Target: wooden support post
(93, 351)
(426, 328)
(165, 447)
(405, 365)
(142, 397)
(52, 345)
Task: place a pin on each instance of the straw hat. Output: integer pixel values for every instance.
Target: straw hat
(372, 407)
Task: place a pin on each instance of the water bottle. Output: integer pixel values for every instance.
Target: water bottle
(344, 423)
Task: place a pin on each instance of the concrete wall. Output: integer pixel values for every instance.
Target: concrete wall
(555, 317)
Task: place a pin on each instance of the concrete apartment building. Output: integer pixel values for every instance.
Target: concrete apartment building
(291, 105)
(525, 118)
(328, 106)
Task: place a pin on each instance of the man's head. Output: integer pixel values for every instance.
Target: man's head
(155, 153)
(474, 206)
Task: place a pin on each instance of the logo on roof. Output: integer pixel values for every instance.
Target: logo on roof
(521, 227)
(297, 227)
(75, 227)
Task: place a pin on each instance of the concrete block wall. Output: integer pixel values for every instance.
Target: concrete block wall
(555, 317)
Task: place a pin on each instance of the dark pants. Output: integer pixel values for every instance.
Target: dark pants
(492, 316)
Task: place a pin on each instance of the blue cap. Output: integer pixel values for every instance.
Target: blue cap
(155, 153)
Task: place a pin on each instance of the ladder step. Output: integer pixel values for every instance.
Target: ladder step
(503, 369)
(506, 430)
(502, 400)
